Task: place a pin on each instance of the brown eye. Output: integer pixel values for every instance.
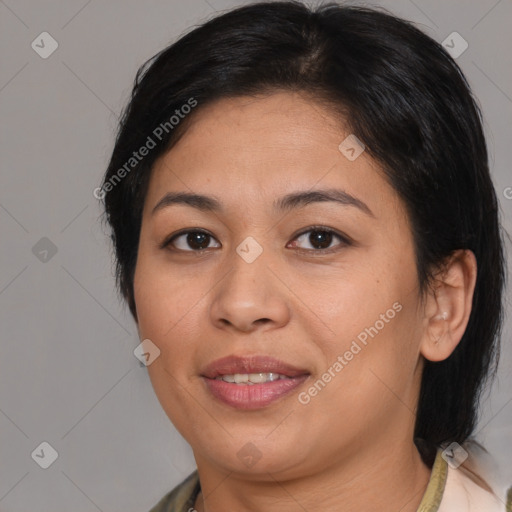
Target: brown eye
(319, 239)
(191, 241)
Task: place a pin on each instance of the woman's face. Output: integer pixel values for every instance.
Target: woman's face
(322, 293)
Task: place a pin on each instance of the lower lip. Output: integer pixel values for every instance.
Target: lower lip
(256, 396)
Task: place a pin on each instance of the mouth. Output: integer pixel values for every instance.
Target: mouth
(251, 382)
(250, 379)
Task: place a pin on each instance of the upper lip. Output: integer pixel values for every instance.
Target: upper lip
(231, 365)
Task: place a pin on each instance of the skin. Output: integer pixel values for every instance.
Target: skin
(352, 444)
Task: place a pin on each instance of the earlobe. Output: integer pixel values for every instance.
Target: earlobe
(448, 306)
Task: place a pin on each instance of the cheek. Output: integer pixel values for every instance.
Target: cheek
(168, 315)
(373, 334)
(162, 297)
(351, 301)
(374, 364)
(168, 309)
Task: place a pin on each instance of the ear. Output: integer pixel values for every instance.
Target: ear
(448, 306)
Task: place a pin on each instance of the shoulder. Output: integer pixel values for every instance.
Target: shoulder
(474, 484)
(181, 498)
(464, 492)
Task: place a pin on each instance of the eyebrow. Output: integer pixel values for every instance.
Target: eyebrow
(287, 202)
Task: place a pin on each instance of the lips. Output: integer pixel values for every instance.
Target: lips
(254, 364)
(242, 394)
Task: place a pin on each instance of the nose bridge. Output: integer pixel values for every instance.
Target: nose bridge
(248, 293)
(248, 272)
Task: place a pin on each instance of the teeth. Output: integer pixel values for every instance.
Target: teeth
(241, 378)
(251, 378)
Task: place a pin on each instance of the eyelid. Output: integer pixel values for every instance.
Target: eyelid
(346, 240)
(321, 227)
(167, 241)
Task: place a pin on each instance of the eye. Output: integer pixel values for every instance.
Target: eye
(320, 239)
(316, 239)
(195, 240)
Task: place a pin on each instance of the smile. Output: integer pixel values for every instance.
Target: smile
(251, 378)
(252, 382)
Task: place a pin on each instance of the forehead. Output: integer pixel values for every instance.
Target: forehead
(264, 125)
(262, 147)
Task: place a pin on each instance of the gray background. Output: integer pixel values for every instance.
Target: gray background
(68, 375)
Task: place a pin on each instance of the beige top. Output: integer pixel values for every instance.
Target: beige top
(448, 490)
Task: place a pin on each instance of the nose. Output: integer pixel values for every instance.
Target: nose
(249, 297)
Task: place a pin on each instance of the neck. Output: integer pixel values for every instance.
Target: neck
(384, 479)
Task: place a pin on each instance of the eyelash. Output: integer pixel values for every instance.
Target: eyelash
(345, 241)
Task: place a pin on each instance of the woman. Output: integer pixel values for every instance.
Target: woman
(307, 236)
